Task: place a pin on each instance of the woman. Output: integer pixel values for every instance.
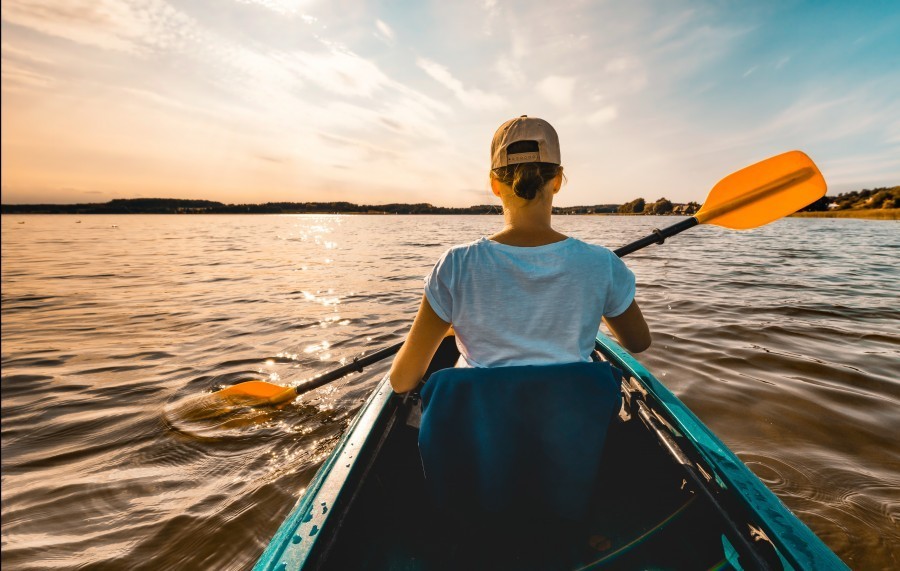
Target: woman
(528, 295)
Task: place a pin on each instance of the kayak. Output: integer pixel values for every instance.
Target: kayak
(674, 497)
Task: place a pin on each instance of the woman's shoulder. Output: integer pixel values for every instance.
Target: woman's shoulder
(596, 250)
(460, 251)
(467, 247)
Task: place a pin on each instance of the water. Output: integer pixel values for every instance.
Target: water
(784, 340)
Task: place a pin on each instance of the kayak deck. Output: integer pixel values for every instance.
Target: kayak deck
(367, 508)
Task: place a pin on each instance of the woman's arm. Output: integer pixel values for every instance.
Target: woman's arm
(630, 328)
(412, 360)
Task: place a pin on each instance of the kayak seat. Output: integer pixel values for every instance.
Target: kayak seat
(509, 443)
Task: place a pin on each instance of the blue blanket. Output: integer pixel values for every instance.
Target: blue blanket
(517, 440)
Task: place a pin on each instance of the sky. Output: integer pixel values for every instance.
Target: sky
(375, 102)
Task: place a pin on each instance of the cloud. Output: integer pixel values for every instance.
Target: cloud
(491, 10)
(367, 149)
(816, 117)
(126, 25)
(892, 133)
(82, 21)
(604, 115)
(557, 89)
(338, 71)
(385, 33)
(270, 158)
(15, 52)
(18, 77)
(510, 70)
(284, 7)
(474, 98)
(618, 65)
(861, 169)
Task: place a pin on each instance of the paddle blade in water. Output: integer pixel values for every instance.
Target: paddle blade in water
(764, 192)
(210, 413)
(252, 389)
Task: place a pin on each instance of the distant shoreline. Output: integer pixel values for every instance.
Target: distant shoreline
(864, 214)
(869, 204)
(872, 214)
(182, 206)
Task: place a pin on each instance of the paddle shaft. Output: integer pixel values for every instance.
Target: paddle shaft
(657, 237)
(355, 366)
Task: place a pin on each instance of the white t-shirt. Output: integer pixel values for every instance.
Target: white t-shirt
(512, 305)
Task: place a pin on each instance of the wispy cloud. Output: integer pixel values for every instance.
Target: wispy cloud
(557, 89)
(619, 64)
(470, 97)
(491, 12)
(126, 25)
(340, 72)
(22, 70)
(384, 32)
(284, 7)
(603, 115)
(365, 148)
(510, 70)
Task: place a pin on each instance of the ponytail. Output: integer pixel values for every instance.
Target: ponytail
(527, 179)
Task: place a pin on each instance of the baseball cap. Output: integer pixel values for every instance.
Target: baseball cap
(525, 128)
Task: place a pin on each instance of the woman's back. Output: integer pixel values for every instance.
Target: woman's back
(539, 305)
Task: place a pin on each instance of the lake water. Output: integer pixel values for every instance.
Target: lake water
(785, 340)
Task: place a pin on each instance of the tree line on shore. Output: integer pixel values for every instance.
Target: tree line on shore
(182, 206)
(866, 199)
(858, 199)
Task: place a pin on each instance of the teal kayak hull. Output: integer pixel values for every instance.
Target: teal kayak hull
(340, 520)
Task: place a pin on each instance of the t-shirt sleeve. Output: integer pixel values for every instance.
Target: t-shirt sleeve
(438, 287)
(621, 289)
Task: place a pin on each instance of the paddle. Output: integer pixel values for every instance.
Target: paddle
(751, 197)
(271, 394)
(748, 198)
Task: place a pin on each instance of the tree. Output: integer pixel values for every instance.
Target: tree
(661, 206)
(634, 207)
(820, 205)
(879, 198)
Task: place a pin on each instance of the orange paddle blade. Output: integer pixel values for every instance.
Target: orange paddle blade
(254, 389)
(763, 192)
